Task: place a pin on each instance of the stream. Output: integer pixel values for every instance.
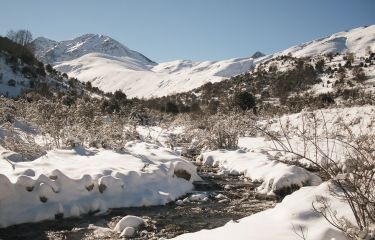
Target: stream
(227, 198)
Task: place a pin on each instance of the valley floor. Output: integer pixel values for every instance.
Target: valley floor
(69, 183)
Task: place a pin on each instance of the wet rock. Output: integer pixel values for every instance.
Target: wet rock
(90, 187)
(102, 188)
(282, 192)
(59, 216)
(205, 186)
(53, 177)
(43, 199)
(182, 174)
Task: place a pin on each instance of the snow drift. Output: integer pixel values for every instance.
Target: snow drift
(286, 220)
(68, 183)
(275, 176)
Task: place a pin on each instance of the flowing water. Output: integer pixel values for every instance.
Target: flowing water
(237, 200)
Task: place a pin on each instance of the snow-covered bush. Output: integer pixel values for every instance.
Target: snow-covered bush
(343, 153)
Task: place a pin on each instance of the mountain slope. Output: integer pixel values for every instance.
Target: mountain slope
(356, 40)
(111, 66)
(138, 80)
(51, 52)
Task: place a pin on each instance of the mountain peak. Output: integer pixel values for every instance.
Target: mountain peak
(258, 54)
(52, 52)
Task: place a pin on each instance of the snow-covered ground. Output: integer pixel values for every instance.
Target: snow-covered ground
(139, 80)
(355, 40)
(294, 217)
(73, 182)
(7, 74)
(290, 219)
(357, 120)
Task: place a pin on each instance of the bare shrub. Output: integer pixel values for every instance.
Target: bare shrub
(219, 131)
(352, 178)
(25, 146)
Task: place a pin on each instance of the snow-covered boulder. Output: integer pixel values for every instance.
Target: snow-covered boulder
(128, 221)
(128, 232)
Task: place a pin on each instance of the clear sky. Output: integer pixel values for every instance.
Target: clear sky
(166, 30)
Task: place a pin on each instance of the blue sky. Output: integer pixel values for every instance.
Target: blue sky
(166, 30)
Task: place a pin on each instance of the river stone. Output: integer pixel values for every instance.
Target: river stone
(182, 174)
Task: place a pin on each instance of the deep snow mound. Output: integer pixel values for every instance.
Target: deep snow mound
(285, 221)
(276, 177)
(68, 183)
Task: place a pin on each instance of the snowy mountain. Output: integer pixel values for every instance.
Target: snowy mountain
(138, 80)
(42, 45)
(51, 51)
(258, 54)
(357, 41)
(111, 66)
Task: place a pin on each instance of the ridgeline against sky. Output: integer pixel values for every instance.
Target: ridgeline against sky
(198, 30)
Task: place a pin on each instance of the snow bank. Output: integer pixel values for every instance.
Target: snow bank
(356, 120)
(285, 220)
(275, 176)
(68, 183)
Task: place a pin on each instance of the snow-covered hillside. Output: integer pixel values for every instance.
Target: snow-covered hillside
(138, 80)
(111, 66)
(50, 51)
(7, 75)
(357, 41)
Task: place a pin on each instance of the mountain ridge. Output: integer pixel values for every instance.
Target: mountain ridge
(51, 51)
(137, 76)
